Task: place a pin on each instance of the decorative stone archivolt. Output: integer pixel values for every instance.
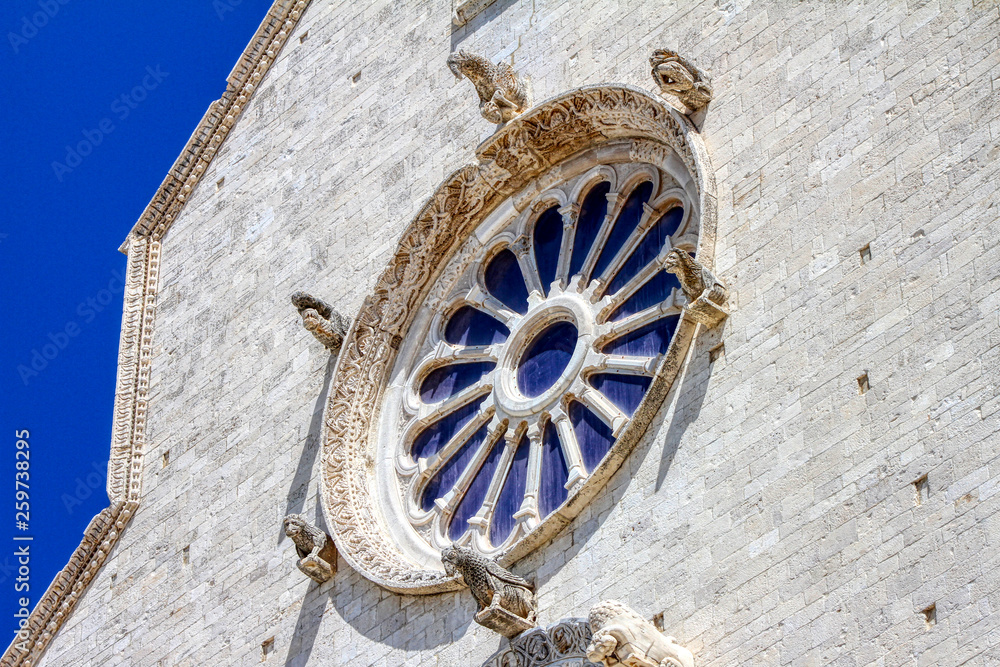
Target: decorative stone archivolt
(561, 645)
(387, 504)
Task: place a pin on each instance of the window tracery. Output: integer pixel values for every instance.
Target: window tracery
(521, 338)
(540, 355)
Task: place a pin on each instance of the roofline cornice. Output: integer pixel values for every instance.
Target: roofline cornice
(142, 246)
(214, 127)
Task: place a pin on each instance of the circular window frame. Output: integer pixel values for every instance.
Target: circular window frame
(516, 168)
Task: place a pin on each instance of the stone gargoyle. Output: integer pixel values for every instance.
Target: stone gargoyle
(318, 317)
(503, 93)
(678, 77)
(316, 550)
(623, 637)
(506, 601)
(705, 293)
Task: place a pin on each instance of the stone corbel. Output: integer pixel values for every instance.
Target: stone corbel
(503, 93)
(316, 550)
(679, 78)
(706, 295)
(320, 319)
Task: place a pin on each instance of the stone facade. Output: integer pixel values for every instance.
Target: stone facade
(821, 490)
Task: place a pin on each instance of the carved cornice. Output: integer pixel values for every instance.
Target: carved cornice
(522, 151)
(135, 348)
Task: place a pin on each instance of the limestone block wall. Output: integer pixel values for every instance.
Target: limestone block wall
(770, 513)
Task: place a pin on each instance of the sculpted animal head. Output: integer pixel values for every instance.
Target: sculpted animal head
(676, 260)
(671, 72)
(459, 60)
(458, 559)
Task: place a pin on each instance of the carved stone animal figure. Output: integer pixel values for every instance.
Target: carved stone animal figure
(696, 281)
(623, 637)
(491, 585)
(317, 552)
(503, 93)
(321, 320)
(678, 77)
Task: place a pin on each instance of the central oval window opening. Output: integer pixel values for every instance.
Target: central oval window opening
(546, 358)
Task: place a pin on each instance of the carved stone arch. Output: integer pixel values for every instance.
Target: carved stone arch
(576, 130)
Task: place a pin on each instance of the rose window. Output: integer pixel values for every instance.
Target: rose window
(538, 355)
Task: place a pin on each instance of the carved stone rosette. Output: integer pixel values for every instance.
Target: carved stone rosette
(561, 645)
(521, 161)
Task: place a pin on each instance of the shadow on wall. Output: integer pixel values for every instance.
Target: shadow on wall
(690, 387)
(380, 615)
(307, 460)
(463, 33)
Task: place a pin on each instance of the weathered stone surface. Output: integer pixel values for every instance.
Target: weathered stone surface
(769, 512)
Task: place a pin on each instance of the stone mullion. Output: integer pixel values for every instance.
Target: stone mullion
(569, 213)
(631, 243)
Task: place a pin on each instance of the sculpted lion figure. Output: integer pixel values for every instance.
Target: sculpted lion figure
(503, 93)
(316, 550)
(696, 281)
(319, 318)
(678, 77)
(495, 589)
(623, 637)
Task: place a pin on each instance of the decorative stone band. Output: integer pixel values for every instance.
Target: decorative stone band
(135, 348)
(561, 645)
(518, 160)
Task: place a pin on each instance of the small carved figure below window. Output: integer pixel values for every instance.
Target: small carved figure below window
(318, 317)
(678, 77)
(623, 637)
(506, 601)
(503, 93)
(316, 550)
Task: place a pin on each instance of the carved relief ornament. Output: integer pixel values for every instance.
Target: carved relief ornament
(587, 126)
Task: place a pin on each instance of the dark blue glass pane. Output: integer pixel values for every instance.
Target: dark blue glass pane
(552, 490)
(592, 212)
(445, 479)
(505, 282)
(473, 498)
(449, 380)
(548, 238)
(435, 436)
(511, 496)
(648, 341)
(653, 291)
(469, 326)
(593, 435)
(648, 248)
(625, 391)
(545, 360)
(628, 220)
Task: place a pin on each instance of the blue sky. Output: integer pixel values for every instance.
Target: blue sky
(98, 101)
